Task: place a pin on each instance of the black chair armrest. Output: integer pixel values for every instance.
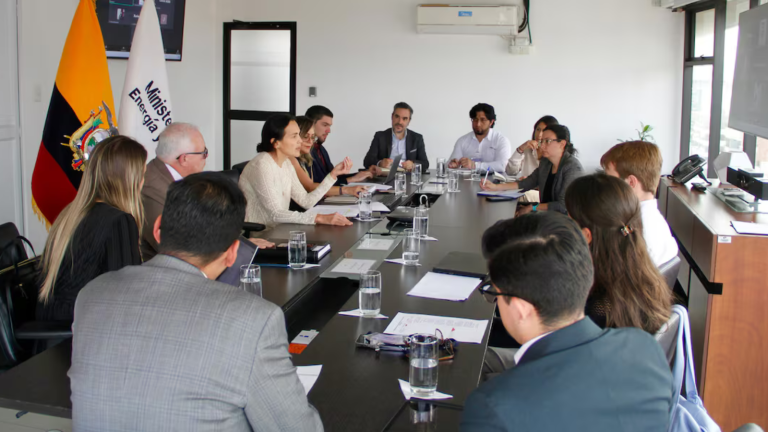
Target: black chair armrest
(249, 227)
(43, 330)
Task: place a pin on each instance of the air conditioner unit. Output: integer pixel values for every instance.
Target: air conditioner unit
(481, 20)
(673, 4)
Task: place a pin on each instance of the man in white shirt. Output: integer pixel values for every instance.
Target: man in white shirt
(639, 164)
(483, 148)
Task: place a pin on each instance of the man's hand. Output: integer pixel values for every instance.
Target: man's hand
(332, 219)
(386, 162)
(360, 176)
(408, 165)
(453, 164)
(261, 243)
(490, 186)
(467, 163)
(376, 171)
(353, 190)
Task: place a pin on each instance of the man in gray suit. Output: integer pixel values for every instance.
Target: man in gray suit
(163, 346)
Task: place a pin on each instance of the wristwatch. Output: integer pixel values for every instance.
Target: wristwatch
(341, 191)
(534, 207)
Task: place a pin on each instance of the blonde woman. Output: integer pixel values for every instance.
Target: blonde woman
(303, 163)
(98, 232)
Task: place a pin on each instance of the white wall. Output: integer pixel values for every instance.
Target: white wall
(600, 66)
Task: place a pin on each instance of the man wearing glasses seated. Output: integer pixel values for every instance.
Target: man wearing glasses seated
(568, 374)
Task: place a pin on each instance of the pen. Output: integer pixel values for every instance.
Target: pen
(486, 175)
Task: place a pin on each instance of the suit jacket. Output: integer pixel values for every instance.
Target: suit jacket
(579, 378)
(156, 182)
(569, 170)
(381, 148)
(159, 347)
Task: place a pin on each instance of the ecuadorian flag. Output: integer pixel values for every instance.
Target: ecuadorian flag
(81, 104)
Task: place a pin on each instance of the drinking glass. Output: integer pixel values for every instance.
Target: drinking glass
(421, 222)
(423, 359)
(250, 279)
(453, 181)
(365, 206)
(400, 184)
(441, 168)
(370, 293)
(411, 244)
(297, 249)
(416, 174)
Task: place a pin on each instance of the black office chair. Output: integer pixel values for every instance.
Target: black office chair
(240, 167)
(669, 270)
(232, 174)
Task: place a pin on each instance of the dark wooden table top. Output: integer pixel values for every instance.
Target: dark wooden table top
(356, 390)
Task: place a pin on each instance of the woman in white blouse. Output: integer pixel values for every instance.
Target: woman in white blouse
(525, 159)
(269, 181)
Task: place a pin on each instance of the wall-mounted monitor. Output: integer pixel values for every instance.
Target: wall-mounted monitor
(118, 20)
(749, 103)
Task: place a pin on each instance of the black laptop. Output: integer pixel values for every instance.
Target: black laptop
(392, 172)
(463, 264)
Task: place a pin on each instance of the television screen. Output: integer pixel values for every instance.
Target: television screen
(118, 20)
(749, 103)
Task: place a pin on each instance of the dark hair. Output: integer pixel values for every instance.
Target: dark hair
(483, 107)
(317, 112)
(274, 129)
(633, 292)
(203, 215)
(305, 124)
(544, 260)
(548, 121)
(563, 133)
(402, 105)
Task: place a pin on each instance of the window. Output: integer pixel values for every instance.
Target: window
(731, 139)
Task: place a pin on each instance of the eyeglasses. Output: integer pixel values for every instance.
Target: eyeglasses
(307, 138)
(204, 153)
(489, 294)
(549, 141)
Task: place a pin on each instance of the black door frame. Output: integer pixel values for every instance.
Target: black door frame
(249, 115)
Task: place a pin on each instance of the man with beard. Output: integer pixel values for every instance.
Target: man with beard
(398, 140)
(482, 148)
(321, 160)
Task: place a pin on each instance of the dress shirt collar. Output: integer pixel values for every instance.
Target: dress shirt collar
(394, 136)
(175, 174)
(524, 348)
(489, 137)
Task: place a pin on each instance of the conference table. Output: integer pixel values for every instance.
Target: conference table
(358, 388)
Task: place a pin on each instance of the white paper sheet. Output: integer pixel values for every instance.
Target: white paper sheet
(308, 375)
(375, 244)
(405, 387)
(344, 210)
(445, 287)
(401, 262)
(372, 186)
(353, 266)
(359, 313)
(379, 207)
(463, 330)
(750, 228)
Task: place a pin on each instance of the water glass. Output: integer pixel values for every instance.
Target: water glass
(370, 293)
(423, 359)
(411, 244)
(366, 210)
(400, 184)
(416, 174)
(476, 175)
(297, 249)
(441, 168)
(421, 222)
(250, 279)
(453, 181)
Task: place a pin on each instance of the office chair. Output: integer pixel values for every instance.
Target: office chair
(232, 174)
(669, 270)
(240, 167)
(667, 337)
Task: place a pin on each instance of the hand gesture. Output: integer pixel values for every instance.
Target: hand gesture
(453, 164)
(343, 167)
(385, 163)
(531, 144)
(408, 165)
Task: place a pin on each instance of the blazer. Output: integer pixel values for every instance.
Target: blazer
(381, 148)
(157, 179)
(569, 170)
(160, 347)
(578, 378)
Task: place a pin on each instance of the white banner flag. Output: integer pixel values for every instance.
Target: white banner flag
(145, 106)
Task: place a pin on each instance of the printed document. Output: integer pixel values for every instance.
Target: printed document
(463, 330)
(445, 287)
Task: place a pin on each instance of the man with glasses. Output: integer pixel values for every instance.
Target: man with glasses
(568, 374)
(483, 148)
(181, 151)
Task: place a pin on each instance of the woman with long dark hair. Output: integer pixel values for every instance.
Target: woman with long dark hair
(628, 290)
(98, 231)
(525, 159)
(558, 168)
(269, 181)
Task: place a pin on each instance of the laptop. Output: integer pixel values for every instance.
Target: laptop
(463, 264)
(392, 172)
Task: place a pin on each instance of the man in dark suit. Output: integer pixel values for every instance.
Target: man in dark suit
(570, 374)
(398, 140)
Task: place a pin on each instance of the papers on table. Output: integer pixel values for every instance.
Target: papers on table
(346, 211)
(353, 266)
(750, 228)
(372, 186)
(308, 375)
(463, 330)
(401, 262)
(359, 313)
(445, 287)
(375, 244)
(379, 207)
(515, 193)
(406, 389)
